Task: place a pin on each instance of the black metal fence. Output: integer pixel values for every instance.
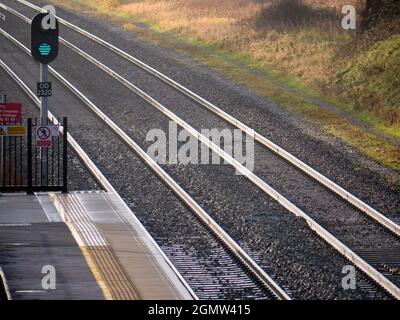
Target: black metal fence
(22, 166)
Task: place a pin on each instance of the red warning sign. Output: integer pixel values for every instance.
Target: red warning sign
(10, 113)
(43, 136)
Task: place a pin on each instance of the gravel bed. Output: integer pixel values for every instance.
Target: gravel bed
(178, 232)
(310, 267)
(336, 160)
(331, 211)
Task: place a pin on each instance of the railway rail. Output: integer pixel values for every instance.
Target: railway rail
(369, 260)
(374, 214)
(237, 267)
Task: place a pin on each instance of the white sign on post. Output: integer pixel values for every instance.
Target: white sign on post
(43, 136)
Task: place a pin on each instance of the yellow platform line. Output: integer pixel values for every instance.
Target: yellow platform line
(104, 265)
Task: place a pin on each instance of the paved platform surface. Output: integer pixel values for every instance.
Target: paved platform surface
(97, 247)
(128, 262)
(30, 243)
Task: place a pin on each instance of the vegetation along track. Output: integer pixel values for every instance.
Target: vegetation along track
(348, 235)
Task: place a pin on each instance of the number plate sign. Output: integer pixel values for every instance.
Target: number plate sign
(44, 89)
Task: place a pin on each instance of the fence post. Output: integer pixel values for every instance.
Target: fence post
(29, 155)
(65, 154)
(3, 99)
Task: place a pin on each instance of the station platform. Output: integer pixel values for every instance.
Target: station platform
(90, 242)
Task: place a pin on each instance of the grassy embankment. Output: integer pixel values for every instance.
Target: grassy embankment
(305, 50)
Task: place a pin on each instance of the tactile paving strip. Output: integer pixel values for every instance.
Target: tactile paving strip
(111, 275)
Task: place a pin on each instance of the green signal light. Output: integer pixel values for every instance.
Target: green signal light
(44, 49)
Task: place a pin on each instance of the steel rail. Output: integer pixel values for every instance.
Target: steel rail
(358, 203)
(172, 184)
(323, 233)
(100, 178)
(261, 184)
(4, 285)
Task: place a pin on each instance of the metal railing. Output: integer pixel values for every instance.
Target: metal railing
(21, 161)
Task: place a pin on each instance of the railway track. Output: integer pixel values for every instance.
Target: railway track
(377, 267)
(332, 186)
(226, 271)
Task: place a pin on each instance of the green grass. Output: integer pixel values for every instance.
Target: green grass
(374, 73)
(294, 83)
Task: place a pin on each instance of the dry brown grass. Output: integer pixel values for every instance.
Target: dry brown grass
(231, 25)
(304, 42)
(315, 49)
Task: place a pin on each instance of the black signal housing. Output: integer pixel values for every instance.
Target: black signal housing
(44, 42)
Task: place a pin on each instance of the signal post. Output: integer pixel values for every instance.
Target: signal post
(44, 49)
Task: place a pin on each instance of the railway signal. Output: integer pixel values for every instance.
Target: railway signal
(44, 41)
(44, 49)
